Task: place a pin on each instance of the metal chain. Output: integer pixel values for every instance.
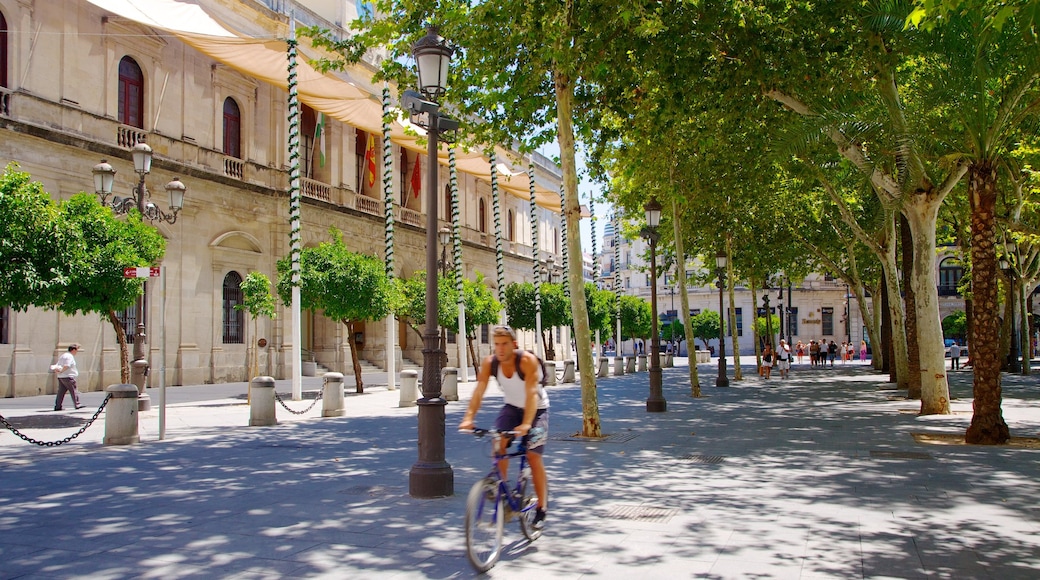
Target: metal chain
(25, 437)
(316, 399)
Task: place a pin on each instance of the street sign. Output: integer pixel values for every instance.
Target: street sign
(153, 272)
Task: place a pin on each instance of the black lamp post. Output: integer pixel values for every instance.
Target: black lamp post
(848, 314)
(104, 179)
(722, 380)
(1008, 265)
(431, 476)
(656, 402)
(780, 308)
(769, 315)
(444, 235)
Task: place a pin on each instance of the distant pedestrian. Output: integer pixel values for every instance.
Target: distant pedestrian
(66, 370)
(783, 358)
(800, 351)
(767, 361)
(814, 353)
(832, 352)
(955, 356)
(862, 350)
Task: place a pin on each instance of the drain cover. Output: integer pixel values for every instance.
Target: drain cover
(710, 459)
(642, 513)
(613, 438)
(877, 454)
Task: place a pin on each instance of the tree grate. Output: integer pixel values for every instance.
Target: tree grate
(878, 454)
(709, 459)
(622, 437)
(374, 490)
(642, 513)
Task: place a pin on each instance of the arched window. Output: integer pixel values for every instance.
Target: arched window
(482, 216)
(232, 129)
(3, 51)
(131, 93)
(447, 202)
(950, 274)
(511, 226)
(234, 320)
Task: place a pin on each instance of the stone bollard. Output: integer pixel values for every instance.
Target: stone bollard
(409, 388)
(630, 364)
(550, 372)
(604, 371)
(261, 406)
(668, 361)
(568, 371)
(450, 384)
(642, 363)
(332, 396)
(619, 366)
(121, 416)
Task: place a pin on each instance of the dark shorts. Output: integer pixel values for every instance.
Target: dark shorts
(509, 417)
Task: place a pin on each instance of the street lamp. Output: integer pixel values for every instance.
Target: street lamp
(431, 476)
(140, 200)
(769, 314)
(780, 307)
(722, 380)
(1008, 265)
(444, 236)
(656, 402)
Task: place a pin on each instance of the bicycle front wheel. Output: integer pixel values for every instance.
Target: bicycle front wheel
(484, 523)
(528, 507)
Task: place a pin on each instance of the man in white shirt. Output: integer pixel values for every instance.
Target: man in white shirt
(67, 373)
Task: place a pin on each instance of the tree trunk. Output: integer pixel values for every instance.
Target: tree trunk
(358, 382)
(1027, 327)
(987, 421)
(897, 355)
(913, 351)
(473, 355)
(550, 350)
(590, 420)
(684, 299)
(124, 352)
(922, 215)
(755, 339)
(885, 348)
(732, 309)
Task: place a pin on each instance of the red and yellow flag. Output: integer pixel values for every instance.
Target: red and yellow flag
(370, 161)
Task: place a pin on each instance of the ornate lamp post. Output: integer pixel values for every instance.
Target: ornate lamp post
(769, 314)
(656, 402)
(140, 200)
(722, 380)
(444, 236)
(431, 475)
(1007, 264)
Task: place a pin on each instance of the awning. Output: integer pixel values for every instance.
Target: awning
(265, 60)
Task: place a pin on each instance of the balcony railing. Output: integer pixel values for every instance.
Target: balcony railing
(316, 189)
(948, 290)
(411, 217)
(128, 136)
(233, 167)
(368, 205)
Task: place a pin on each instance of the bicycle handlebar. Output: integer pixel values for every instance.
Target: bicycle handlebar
(478, 432)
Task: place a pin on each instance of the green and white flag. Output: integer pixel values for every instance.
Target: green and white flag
(319, 138)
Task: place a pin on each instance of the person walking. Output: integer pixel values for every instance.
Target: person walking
(955, 356)
(783, 358)
(800, 350)
(832, 352)
(767, 361)
(66, 370)
(863, 350)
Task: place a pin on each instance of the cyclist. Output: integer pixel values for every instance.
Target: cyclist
(526, 406)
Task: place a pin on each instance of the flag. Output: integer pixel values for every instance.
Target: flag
(370, 161)
(417, 176)
(319, 138)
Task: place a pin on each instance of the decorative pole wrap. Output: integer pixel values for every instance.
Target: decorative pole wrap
(388, 252)
(537, 262)
(456, 234)
(595, 269)
(500, 265)
(617, 281)
(294, 214)
(565, 279)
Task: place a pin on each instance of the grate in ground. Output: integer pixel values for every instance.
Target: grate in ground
(708, 459)
(642, 513)
(622, 437)
(878, 454)
(374, 490)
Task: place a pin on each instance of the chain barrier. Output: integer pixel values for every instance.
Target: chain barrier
(315, 402)
(26, 438)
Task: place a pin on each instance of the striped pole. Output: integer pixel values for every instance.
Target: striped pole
(565, 279)
(500, 264)
(595, 271)
(294, 215)
(388, 252)
(456, 234)
(617, 281)
(537, 263)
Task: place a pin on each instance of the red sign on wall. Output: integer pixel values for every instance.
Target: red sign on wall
(153, 272)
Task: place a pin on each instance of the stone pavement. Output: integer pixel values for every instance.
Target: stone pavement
(813, 477)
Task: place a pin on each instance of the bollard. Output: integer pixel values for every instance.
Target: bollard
(121, 416)
(630, 364)
(450, 383)
(603, 370)
(409, 388)
(332, 396)
(668, 362)
(568, 371)
(642, 363)
(619, 366)
(261, 406)
(550, 372)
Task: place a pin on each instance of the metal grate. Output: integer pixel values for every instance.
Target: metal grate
(878, 454)
(642, 513)
(622, 437)
(374, 490)
(709, 459)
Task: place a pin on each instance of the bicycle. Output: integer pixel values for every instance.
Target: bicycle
(491, 502)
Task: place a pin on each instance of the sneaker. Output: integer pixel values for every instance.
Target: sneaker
(58, 409)
(80, 406)
(539, 519)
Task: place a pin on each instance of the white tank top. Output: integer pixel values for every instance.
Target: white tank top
(515, 392)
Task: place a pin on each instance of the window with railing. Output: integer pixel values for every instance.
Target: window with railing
(234, 319)
(232, 129)
(128, 319)
(827, 319)
(950, 274)
(511, 226)
(482, 216)
(792, 322)
(131, 93)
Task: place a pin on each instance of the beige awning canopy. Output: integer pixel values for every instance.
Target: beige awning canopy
(265, 59)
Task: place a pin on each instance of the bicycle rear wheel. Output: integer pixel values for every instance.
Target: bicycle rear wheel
(529, 506)
(484, 523)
